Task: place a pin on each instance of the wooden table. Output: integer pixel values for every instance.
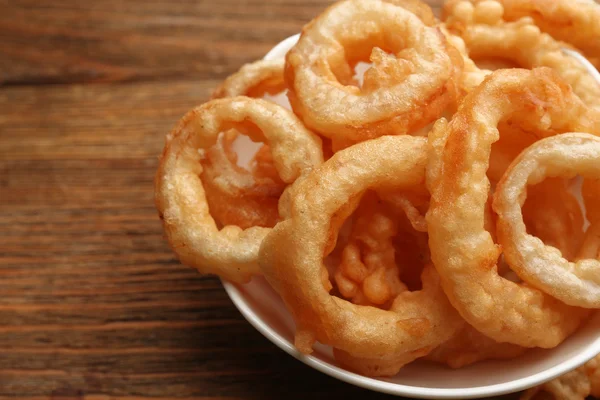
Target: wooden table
(92, 302)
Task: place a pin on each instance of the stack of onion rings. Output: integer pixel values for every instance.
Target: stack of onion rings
(437, 214)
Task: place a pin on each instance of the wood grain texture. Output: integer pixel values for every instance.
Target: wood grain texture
(92, 303)
(130, 40)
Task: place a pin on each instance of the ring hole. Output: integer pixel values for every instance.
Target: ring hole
(384, 51)
(378, 255)
(412, 254)
(514, 138)
(245, 149)
(279, 98)
(359, 72)
(553, 213)
(240, 182)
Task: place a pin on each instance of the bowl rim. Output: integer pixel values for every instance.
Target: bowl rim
(397, 389)
(236, 296)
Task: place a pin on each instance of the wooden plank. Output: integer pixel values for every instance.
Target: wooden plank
(96, 122)
(69, 41)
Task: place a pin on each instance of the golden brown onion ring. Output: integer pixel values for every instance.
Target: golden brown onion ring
(369, 340)
(236, 195)
(572, 21)
(553, 214)
(463, 252)
(402, 91)
(487, 34)
(541, 265)
(480, 32)
(191, 231)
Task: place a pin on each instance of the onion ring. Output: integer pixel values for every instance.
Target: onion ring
(543, 266)
(191, 231)
(366, 339)
(572, 21)
(236, 195)
(486, 34)
(462, 251)
(555, 217)
(401, 92)
(253, 80)
(479, 31)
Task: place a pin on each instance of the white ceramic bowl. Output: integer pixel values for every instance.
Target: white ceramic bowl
(263, 308)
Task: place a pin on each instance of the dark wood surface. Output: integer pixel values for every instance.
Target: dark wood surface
(92, 303)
